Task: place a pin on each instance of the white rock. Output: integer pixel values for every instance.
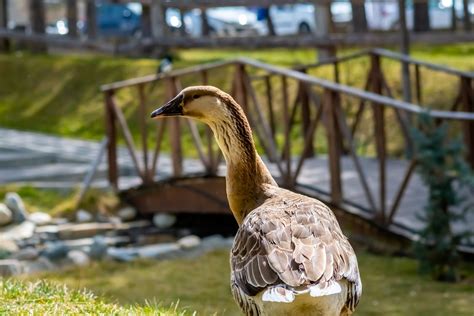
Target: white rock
(40, 218)
(127, 213)
(6, 215)
(14, 202)
(164, 220)
(83, 216)
(158, 250)
(78, 257)
(20, 231)
(8, 245)
(190, 241)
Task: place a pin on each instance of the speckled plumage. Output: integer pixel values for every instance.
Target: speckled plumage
(289, 256)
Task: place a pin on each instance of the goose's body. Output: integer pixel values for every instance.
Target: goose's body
(289, 255)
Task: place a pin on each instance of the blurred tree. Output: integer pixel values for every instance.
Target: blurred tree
(359, 18)
(421, 16)
(446, 174)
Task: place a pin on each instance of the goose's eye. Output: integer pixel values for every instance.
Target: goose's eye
(196, 96)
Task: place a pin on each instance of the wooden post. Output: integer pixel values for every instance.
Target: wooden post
(71, 14)
(111, 131)
(4, 43)
(322, 15)
(175, 133)
(467, 99)
(91, 19)
(146, 21)
(306, 115)
(379, 133)
(333, 136)
(405, 48)
(37, 18)
(466, 15)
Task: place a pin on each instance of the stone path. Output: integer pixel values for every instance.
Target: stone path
(51, 161)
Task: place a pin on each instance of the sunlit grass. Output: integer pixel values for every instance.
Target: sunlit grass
(392, 285)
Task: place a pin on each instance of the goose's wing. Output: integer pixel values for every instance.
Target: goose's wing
(294, 240)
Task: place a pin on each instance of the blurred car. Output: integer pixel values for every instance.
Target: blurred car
(227, 21)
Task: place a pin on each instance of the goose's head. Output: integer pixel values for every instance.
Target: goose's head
(205, 103)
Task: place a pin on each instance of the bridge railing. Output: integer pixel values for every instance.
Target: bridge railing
(275, 99)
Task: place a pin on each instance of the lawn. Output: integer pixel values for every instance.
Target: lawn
(60, 94)
(391, 285)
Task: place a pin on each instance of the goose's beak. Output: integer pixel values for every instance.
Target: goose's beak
(174, 107)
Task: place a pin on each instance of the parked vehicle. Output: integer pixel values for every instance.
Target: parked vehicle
(119, 19)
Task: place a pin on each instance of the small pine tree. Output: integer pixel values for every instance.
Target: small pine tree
(446, 174)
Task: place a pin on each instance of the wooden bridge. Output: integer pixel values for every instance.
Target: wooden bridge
(350, 147)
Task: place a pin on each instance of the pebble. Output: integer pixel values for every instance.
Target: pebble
(79, 258)
(9, 267)
(83, 216)
(40, 218)
(127, 213)
(55, 250)
(21, 231)
(7, 245)
(29, 253)
(158, 250)
(164, 220)
(14, 202)
(98, 249)
(6, 215)
(188, 242)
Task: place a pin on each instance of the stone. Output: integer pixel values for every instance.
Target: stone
(216, 242)
(21, 231)
(83, 216)
(39, 265)
(79, 258)
(127, 213)
(188, 242)
(164, 220)
(98, 249)
(29, 253)
(40, 218)
(6, 215)
(8, 245)
(158, 250)
(122, 254)
(9, 267)
(55, 250)
(14, 202)
(84, 230)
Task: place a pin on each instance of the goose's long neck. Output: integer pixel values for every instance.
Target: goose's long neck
(246, 173)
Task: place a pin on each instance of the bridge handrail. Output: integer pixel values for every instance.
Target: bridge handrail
(297, 75)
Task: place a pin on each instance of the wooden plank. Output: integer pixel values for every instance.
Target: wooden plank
(160, 130)
(111, 132)
(271, 114)
(128, 138)
(418, 84)
(401, 190)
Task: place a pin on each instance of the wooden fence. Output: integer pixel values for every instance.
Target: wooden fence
(285, 96)
(156, 34)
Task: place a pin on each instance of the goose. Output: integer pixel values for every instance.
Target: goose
(289, 255)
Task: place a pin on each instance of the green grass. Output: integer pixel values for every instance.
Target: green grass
(391, 285)
(43, 298)
(62, 202)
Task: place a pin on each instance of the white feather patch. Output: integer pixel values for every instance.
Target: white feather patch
(318, 290)
(278, 294)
